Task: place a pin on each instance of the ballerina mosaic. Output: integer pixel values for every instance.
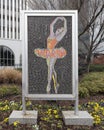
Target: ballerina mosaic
(51, 53)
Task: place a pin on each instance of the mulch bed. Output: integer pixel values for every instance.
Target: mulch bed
(18, 98)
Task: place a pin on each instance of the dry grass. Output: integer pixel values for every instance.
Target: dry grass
(8, 76)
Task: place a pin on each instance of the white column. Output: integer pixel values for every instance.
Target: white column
(24, 4)
(13, 19)
(9, 14)
(5, 18)
(20, 5)
(17, 19)
(27, 4)
(1, 18)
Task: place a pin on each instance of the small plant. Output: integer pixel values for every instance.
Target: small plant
(7, 90)
(97, 68)
(16, 123)
(35, 127)
(83, 92)
(91, 84)
(97, 111)
(6, 120)
(50, 114)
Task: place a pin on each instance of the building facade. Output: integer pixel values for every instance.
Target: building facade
(10, 40)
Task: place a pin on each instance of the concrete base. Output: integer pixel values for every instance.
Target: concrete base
(83, 118)
(29, 118)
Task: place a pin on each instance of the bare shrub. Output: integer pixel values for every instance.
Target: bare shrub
(8, 75)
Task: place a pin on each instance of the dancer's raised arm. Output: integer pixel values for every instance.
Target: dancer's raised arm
(61, 31)
(65, 26)
(52, 25)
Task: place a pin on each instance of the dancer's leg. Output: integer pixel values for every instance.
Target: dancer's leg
(56, 85)
(54, 75)
(50, 71)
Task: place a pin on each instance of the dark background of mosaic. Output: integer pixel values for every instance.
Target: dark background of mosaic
(38, 32)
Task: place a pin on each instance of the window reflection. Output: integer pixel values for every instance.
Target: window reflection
(6, 56)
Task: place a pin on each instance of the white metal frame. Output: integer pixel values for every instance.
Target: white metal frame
(24, 36)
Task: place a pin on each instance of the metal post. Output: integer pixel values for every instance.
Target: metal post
(23, 62)
(23, 102)
(76, 62)
(76, 106)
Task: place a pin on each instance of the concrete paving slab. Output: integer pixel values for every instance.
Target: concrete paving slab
(83, 118)
(29, 118)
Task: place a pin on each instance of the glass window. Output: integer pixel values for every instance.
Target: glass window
(6, 56)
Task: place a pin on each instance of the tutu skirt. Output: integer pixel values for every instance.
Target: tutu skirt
(50, 53)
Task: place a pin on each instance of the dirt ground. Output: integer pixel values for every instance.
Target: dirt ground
(67, 104)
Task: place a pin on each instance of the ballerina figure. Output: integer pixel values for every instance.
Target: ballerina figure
(51, 54)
